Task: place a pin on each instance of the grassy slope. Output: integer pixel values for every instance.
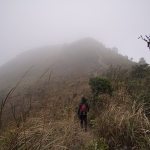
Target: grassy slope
(52, 121)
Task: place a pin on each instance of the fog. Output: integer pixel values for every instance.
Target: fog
(29, 24)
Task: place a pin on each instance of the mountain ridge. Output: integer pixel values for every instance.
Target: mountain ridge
(82, 57)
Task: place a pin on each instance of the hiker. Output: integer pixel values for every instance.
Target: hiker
(82, 112)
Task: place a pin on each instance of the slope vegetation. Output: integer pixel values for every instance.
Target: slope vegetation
(40, 111)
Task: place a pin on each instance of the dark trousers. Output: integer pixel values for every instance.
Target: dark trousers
(83, 121)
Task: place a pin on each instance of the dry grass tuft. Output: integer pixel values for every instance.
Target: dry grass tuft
(124, 127)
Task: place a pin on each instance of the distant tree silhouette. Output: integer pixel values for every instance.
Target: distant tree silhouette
(115, 49)
(126, 56)
(146, 40)
(142, 61)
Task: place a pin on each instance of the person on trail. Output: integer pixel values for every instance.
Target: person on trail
(82, 112)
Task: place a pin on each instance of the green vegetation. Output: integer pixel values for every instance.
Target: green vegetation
(100, 85)
(97, 144)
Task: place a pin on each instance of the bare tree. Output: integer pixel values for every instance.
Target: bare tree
(146, 40)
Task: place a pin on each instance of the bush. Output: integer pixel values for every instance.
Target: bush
(100, 85)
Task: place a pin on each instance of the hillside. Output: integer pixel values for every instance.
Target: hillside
(40, 112)
(83, 57)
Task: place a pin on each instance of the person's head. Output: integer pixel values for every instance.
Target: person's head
(83, 99)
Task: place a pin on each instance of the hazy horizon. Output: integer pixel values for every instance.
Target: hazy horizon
(26, 25)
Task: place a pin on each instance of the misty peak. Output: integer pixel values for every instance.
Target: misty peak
(87, 40)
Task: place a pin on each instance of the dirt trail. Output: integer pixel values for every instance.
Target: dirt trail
(87, 136)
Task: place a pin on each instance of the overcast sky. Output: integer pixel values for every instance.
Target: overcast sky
(27, 24)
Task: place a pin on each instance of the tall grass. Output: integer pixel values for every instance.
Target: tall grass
(52, 127)
(122, 119)
(56, 134)
(3, 103)
(122, 127)
(117, 122)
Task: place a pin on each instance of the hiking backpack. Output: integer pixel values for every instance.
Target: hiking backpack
(83, 108)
